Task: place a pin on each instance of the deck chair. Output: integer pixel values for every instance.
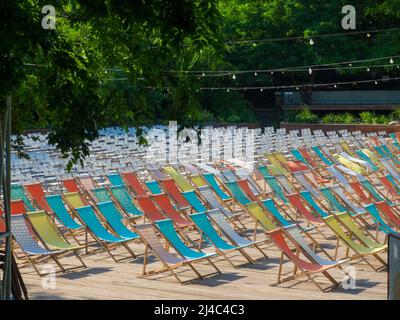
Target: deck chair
(364, 164)
(389, 214)
(389, 153)
(37, 193)
(382, 225)
(237, 193)
(171, 188)
(51, 236)
(169, 210)
(390, 186)
(70, 185)
(320, 154)
(57, 206)
(308, 157)
(306, 184)
(210, 178)
(157, 174)
(273, 184)
(340, 178)
(207, 230)
(134, 184)
(194, 201)
(244, 175)
(308, 267)
(32, 250)
(150, 209)
(101, 235)
(296, 153)
(122, 196)
(101, 194)
(87, 184)
(198, 180)
(350, 164)
(18, 193)
(296, 202)
(345, 146)
(391, 169)
(170, 261)
(178, 178)
(376, 194)
(350, 204)
(74, 199)
(115, 220)
(154, 187)
(366, 158)
(115, 179)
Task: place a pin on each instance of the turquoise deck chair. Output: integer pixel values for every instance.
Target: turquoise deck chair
(395, 185)
(202, 222)
(18, 193)
(373, 210)
(333, 201)
(194, 201)
(371, 189)
(115, 220)
(237, 193)
(125, 200)
(210, 178)
(296, 153)
(154, 187)
(271, 180)
(56, 204)
(101, 194)
(89, 217)
(167, 228)
(264, 171)
(390, 154)
(309, 199)
(322, 156)
(116, 179)
(397, 145)
(270, 206)
(365, 157)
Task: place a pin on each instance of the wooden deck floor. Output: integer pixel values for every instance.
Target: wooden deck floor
(105, 279)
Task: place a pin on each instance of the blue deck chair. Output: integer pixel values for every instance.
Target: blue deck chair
(205, 227)
(101, 194)
(393, 182)
(168, 230)
(333, 201)
(18, 193)
(270, 206)
(365, 157)
(296, 153)
(194, 201)
(274, 185)
(210, 178)
(322, 156)
(238, 193)
(311, 202)
(116, 179)
(390, 154)
(154, 187)
(57, 205)
(115, 220)
(397, 145)
(371, 189)
(125, 200)
(383, 226)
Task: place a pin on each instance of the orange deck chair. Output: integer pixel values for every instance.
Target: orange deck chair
(37, 193)
(150, 210)
(171, 188)
(134, 184)
(387, 210)
(296, 202)
(71, 185)
(166, 206)
(308, 157)
(389, 187)
(17, 207)
(244, 185)
(360, 193)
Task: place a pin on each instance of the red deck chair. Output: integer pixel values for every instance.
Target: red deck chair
(376, 141)
(388, 212)
(361, 194)
(165, 205)
(2, 226)
(308, 157)
(150, 210)
(244, 185)
(134, 184)
(295, 166)
(17, 207)
(36, 192)
(70, 185)
(296, 202)
(170, 187)
(389, 186)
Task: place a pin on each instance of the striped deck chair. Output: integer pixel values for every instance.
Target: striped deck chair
(101, 235)
(171, 188)
(230, 176)
(134, 184)
(210, 178)
(274, 185)
(350, 164)
(244, 175)
(391, 169)
(124, 199)
(154, 187)
(115, 219)
(340, 178)
(101, 194)
(115, 179)
(178, 178)
(194, 201)
(37, 193)
(320, 154)
(163, 202)
(389, 153)
(382, 225)
(308, 157)
(150, 209)
(18, 193)
(308, 265)
(354, 208)
(50, 235)
(170, 261)
(362, 163)
(70, 185)
(33, 251)
(306, 184)
(207, 230)
(57, 206)
(296, 153)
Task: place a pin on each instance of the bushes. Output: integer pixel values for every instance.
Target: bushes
(346, 118)
(304, 116)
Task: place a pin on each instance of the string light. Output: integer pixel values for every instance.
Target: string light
(255, 74)
(391, 61)
(310, 70)
(311, 42)
(368, 69)
(234, 77)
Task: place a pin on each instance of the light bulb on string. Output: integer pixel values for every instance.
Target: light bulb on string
(391, 61)
(311, 42)
(309, 70)
(227, 90)
(255, 74)
(368, 35)
(234, 77)
(261, 89)
(272, 72)
(368, 69)
(203, 74)
(376, 82)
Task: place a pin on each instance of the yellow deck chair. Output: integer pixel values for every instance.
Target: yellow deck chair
(350, 164)
(333, 224)
(276, 171)
(346, 147)
(178, 178)
(372, 156)
(280, 157)
(74, 199)
(48, 232)
(258, 213)
(199, 181)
